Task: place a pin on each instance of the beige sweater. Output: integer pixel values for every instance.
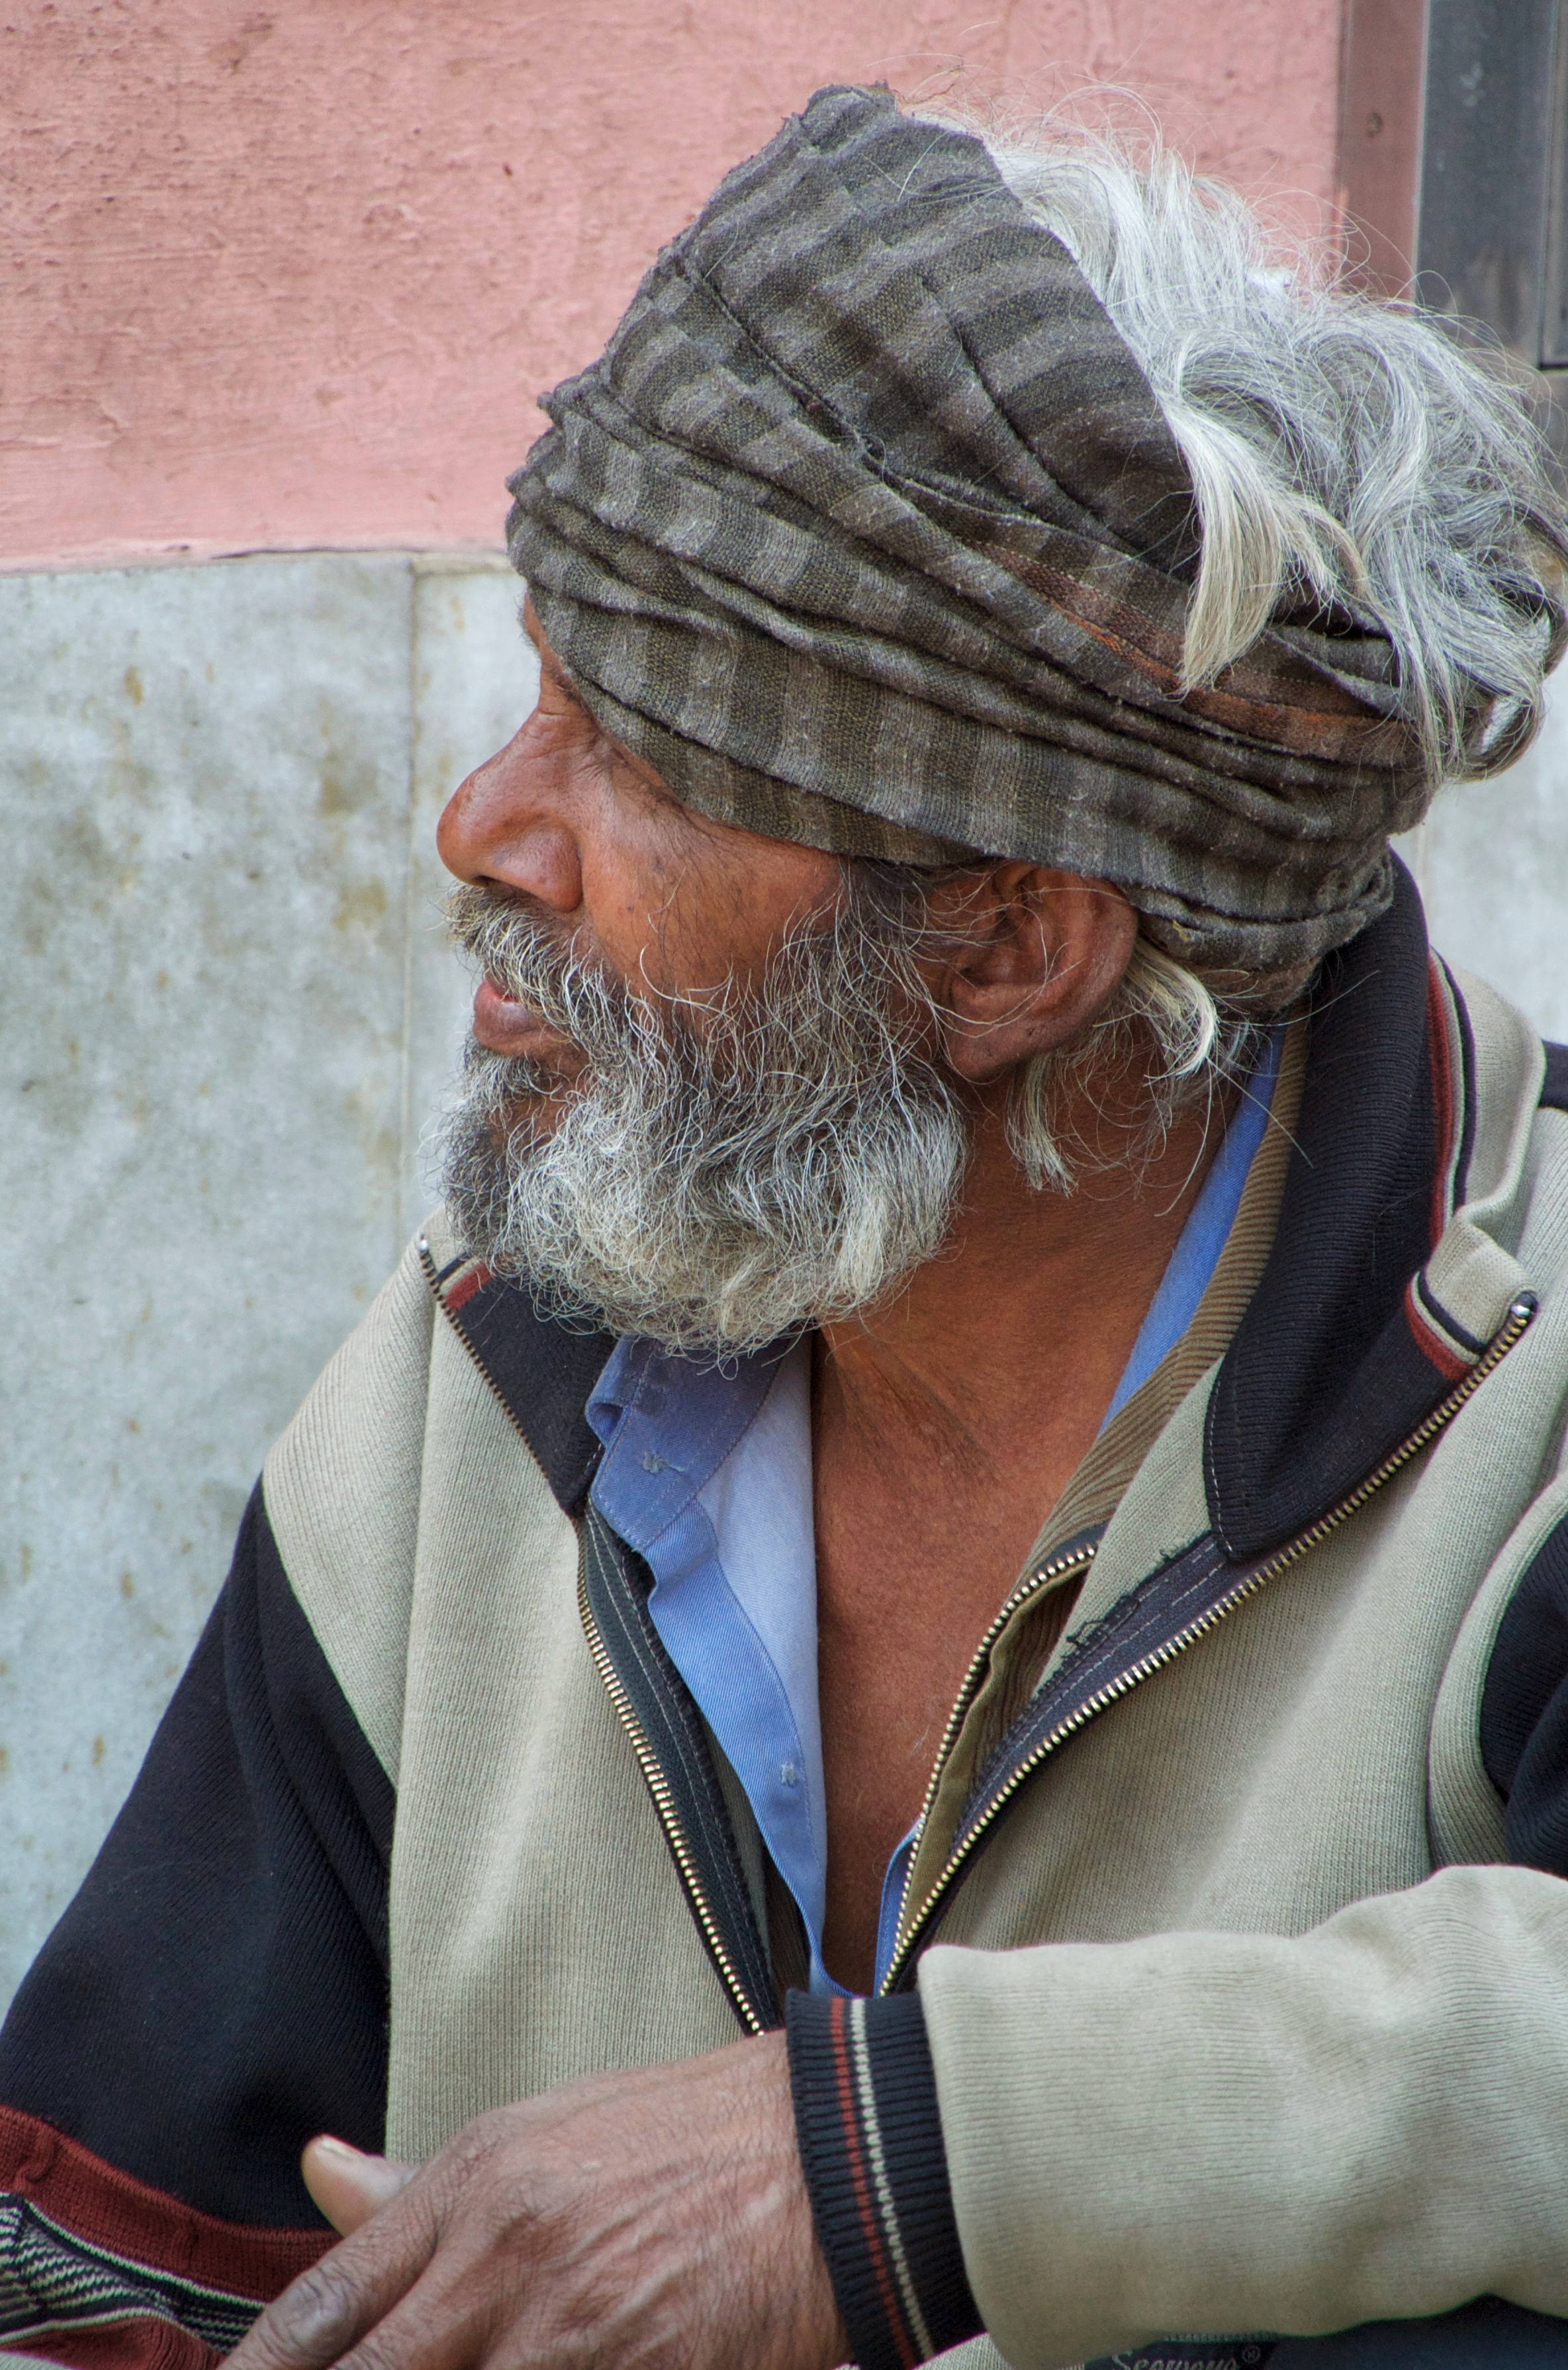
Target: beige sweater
(1238, 2022)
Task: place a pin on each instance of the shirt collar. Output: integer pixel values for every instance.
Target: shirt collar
(667, 1424)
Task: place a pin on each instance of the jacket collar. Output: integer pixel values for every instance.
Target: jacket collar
(542, 1371)
(1347, 1343)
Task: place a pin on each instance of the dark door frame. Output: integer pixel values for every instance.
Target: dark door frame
(1454, 164)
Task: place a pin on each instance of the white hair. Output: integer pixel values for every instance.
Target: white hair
(1347, 455)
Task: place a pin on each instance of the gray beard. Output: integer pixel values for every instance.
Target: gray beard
(728, 1170)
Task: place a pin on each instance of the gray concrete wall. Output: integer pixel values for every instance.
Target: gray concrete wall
(1492, 862)
(226, 1013)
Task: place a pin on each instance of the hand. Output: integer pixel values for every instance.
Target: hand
(656, 2220)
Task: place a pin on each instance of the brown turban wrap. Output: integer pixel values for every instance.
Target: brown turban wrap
(867, 532)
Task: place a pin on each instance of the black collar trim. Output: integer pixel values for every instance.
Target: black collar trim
(1465, 1093)
(540, 1369)
(1345, 1348)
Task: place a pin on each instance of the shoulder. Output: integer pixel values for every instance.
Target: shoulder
(452, 1400)
(1524, 1703)
(341, 1487)
(1524, 1709)
(1500, 1738)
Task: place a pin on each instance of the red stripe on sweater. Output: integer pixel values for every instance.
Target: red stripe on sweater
(456, 1295)
(1445, 1101)
(1430, 1342)
(108, 2208)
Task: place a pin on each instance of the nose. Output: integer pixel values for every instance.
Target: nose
(507, 825)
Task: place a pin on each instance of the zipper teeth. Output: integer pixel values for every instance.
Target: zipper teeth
(1027, 1587)
(653, 1775)
(1518, 1317)
(664, 1802)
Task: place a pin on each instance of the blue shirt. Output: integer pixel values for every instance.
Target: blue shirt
(706, 1475)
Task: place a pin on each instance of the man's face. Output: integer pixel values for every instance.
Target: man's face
(704, 1100)
(586, 835)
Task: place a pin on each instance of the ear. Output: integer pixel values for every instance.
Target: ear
(1032, 957)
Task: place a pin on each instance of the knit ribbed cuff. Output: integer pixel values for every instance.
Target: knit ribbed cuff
(871, 2145)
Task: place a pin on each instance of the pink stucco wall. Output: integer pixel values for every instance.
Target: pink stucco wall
(284, 275)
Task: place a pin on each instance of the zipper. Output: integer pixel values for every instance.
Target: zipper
(664, 1804)
(1075, 1560)
(647, 1760)
(1520, 1312)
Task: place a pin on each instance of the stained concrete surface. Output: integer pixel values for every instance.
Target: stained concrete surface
(226, 1010)
(226, 1013)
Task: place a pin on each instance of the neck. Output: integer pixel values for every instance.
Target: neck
(944, 1428)
(1013, 1340)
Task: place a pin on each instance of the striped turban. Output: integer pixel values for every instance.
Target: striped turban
(867, 532)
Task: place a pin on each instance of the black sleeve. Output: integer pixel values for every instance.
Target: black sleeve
(216, 1992)
(1524, 1711)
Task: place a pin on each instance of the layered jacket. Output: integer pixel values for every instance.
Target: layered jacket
(1231, 2001)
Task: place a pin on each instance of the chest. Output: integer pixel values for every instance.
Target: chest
(920, 1533)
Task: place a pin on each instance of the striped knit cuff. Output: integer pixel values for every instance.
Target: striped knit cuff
(871, 2145)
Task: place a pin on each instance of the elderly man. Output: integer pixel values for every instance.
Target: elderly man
(910, 1689)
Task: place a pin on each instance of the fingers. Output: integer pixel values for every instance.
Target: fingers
(326, 2310)
(348, 2186)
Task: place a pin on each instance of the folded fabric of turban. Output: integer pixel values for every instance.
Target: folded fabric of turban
(867, 532)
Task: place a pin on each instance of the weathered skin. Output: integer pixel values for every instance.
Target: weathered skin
(657, 2219)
